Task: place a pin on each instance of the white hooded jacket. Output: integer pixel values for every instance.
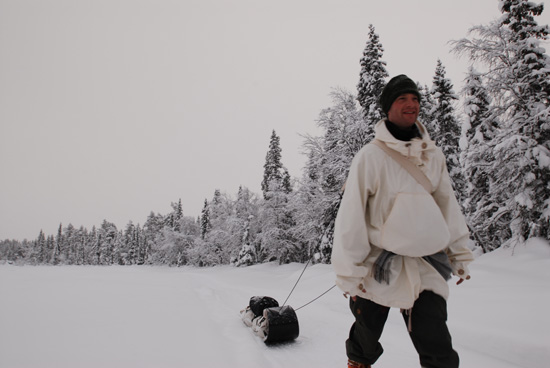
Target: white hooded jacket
(384, 207)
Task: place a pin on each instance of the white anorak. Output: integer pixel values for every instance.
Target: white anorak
(384, 207)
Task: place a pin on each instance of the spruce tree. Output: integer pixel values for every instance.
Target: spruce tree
(276, 217)
(427, 107)
(41, 248)
(446, 130)
(108, 236)
(371, 80)
(178, 215)
(131, 245)
(58, 247)
(205, 220)
(273, 166)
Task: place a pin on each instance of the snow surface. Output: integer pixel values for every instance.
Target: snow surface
(140, 316)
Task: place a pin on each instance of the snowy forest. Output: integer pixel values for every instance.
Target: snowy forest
(495, 134)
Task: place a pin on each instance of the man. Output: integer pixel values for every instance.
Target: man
(396, 244)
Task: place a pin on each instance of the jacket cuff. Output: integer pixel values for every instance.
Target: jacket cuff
(461, 270)
(350, 285)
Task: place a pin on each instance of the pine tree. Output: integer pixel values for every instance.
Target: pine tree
(143, 246)
(71, 240)
(276, 217)
(131, 245)
(41, 245)
(518, 75)
(107, 235)
(286, 182)
(205, 220)
(178, 215)
(427, 108)
(247, 254)
(58, 247)
(371, 80)
(273, 166)
(217, 212)
(446, 129)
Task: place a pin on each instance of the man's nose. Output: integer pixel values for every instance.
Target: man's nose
(411, 102)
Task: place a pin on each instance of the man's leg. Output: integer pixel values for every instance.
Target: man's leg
(430, 334)
(362, 345)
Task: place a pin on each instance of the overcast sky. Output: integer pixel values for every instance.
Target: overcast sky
(111, 109)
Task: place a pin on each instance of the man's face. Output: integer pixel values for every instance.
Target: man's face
(404, 110)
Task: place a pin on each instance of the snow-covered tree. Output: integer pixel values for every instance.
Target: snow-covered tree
(40, 253)
(273, 167)
(329, 158)
(345, 133)
(306, 202)
(177, 215)
(246, 225)
(371, 80)
(219, 243)
(107, 236)
(478, 131)
(427, 108)
(205, 220)
(275, 215)
(59, 245)
(247, 255)
(518, 76)
(446, 129)
(130, 244)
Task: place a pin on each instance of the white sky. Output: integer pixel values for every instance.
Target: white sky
(110, 109)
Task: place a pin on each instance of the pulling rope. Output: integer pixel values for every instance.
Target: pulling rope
(332, 287)
(294, 287)
(331, 214)
(297, 281)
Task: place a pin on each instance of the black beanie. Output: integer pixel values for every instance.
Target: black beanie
(397, 86)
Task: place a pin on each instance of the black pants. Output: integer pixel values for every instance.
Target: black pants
(430, 335)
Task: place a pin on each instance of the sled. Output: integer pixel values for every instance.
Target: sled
(271, 322)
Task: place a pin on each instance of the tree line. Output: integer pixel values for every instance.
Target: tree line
(495, 134)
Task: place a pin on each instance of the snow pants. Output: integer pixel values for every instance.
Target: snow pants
(429, 333)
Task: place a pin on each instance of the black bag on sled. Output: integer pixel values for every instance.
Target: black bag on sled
(269, 321)
(258, 303)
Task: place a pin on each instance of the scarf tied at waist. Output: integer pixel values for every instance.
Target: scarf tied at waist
(439, 261)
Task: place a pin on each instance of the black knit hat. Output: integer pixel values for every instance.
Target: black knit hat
(397, 86)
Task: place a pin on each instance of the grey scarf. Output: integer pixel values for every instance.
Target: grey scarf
(439, 261)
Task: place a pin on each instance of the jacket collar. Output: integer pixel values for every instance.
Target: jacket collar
(413, 148)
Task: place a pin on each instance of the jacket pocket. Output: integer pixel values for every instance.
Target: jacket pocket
(415, 226)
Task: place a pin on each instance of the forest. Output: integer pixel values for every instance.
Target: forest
(495, 134)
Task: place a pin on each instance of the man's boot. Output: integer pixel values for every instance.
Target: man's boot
(352, 364)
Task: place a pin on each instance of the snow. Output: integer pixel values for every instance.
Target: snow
(141, 316)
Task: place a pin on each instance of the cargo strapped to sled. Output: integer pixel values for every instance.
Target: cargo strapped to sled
(269, 321)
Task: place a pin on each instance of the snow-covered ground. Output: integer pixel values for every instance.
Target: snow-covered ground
(188, 317)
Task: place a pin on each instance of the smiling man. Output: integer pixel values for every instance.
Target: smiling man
(397, 241)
